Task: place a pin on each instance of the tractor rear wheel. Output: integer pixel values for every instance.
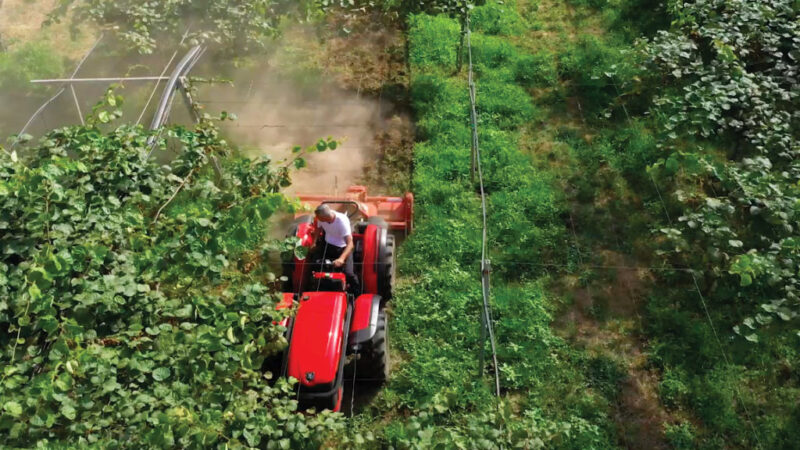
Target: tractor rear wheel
(388, 265)
(373, 363)
(387, 262)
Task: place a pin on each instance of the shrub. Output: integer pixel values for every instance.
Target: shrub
(680, 436)
(536, 70)
(437, 316)
(440, 103)
(635, 148)
(505, 106)
(642, 17)
(525, 339)
(606, 375)
(433, 42)
(672, 390)
(683, 340)
(437, 427)
(491, 52)
(713, 396)
(589, 3)
(31, 60)
(498, 18)
(598, 71)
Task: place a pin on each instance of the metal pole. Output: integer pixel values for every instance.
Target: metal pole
(77, 103)
(486, 269)
(165, 104)
(473, 113)
(97, 80)
(57, 94)
(163, 73)
(486, 314)
(482, 354)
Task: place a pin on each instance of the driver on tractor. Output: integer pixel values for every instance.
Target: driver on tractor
(338, 242)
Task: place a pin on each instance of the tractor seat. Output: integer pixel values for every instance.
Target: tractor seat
(360, 227)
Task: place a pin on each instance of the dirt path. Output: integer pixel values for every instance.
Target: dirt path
(347, 89)
(604, 316)
(22, 21)
(605, 320)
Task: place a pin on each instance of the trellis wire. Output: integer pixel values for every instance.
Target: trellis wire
(486, 317)
(57, 94)
(711, 323)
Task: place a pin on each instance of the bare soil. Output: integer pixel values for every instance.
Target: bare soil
(605, 319)
(321, 83)
(23, 21)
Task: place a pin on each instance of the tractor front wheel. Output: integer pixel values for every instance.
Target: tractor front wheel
(374, 363)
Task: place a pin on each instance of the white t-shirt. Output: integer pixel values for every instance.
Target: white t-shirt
(336, 231)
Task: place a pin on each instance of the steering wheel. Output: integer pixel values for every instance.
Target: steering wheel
(351, 208)
(326, 265)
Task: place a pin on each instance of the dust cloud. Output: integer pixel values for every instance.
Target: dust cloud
(275, 114)
(304, 88)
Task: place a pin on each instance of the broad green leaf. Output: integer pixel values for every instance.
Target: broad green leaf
(161, 374)
(68, 411)
(13, 408)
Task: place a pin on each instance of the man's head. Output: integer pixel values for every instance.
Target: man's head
(325, 213)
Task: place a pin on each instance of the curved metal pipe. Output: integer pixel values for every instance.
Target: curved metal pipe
(165, 104)
(169, 91)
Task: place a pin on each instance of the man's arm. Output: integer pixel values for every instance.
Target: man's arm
(347, 250)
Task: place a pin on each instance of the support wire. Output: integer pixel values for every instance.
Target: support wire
(486, 316)
(57, 94)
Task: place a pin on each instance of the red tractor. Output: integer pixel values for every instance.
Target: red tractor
(333, 327)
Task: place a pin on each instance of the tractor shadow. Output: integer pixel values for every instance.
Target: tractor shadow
(365, 392)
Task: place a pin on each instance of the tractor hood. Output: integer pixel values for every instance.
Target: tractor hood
(315, 351)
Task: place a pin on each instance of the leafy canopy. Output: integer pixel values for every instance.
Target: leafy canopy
(233, 25)
(732, 68)
(126, 332)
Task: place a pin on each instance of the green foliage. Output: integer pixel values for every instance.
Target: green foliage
(441, 105)
(537, 70)
(720, 144)
(713, 398)
(434, 42)
(436, 318)
(436, 427)
(452, 8)
(641, 17)
(238, 27)
(132, 311)
(497, 18)
(438, 360)
(731, 74)
(506, 105)
(680, 436)
(673, 390)
(730, 80)
(589, 3)
(606, 375)
(492, 52)
(705, 108)
(598, 72)
(525, 341)
(29, 61)
(401, 9)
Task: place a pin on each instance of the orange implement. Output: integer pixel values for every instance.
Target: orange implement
(398, 212)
